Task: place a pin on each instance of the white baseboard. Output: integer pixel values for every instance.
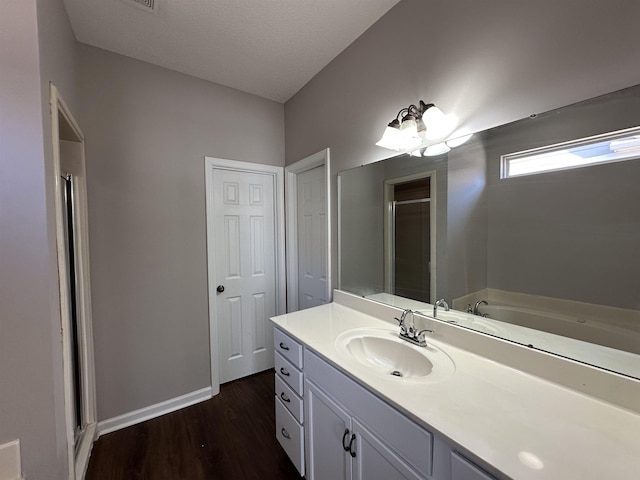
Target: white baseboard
(10, 464)
(153, 411)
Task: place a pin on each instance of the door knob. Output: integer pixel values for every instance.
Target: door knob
(220, 288)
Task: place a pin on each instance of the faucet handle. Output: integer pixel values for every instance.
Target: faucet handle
(403, 327)
(422, 335)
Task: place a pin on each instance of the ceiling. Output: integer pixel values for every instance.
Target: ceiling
(270, 48)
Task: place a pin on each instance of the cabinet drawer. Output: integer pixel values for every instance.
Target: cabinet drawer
(289, 399)
(463, 469)
(287, 347)
(289, 373)
(290, 435)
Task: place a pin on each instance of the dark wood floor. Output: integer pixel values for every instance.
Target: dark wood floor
(231, 436)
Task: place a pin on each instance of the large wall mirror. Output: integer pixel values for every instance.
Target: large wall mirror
(549, 260)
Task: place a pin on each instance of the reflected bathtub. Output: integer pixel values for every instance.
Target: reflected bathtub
(566, 326)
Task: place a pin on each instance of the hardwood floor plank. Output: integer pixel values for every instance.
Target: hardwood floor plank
(231, 436)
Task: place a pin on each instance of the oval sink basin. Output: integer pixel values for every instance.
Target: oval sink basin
(384, 353)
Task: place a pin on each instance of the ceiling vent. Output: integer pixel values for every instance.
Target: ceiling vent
(150, 6)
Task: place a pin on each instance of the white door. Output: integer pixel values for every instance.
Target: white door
(312, 238)
(308, 232)
(328, 437)
(244, 225)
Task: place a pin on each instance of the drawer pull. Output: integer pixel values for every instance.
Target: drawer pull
(351, 450)
(283, 346)
(284, 372)
(285, 434)
(344, 440)
(284, 397)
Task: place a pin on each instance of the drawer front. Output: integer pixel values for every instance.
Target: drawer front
(289, 373)
(463, 469)
(287, 347)
(290, 435)
(290, 399)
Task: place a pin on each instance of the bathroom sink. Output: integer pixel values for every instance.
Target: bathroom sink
(384, 353)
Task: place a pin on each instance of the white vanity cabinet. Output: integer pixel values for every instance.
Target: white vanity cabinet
(352, 434)
(289, 397)
(333, 428)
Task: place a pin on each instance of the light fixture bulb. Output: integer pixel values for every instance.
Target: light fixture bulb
(391, 138)
(438, 124)
(437, 149)
(409, 128)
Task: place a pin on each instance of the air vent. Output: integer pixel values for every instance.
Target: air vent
(150, 6)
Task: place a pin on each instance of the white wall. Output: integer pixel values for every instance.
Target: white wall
(147, 132)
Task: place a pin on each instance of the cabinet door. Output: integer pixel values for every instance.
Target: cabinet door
(327, 425)
(463, 469)
(375, 461)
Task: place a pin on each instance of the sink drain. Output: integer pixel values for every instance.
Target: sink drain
(396, 373)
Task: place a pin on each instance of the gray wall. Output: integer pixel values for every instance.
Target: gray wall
(466, 249)
(31, 403)
(572, 234)
(490, 62)
(148, 130)
(362, 230)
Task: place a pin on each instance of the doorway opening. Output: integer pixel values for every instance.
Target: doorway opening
(410, 237)
(72, 240)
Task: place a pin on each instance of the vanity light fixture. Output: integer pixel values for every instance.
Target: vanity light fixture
(413, 126)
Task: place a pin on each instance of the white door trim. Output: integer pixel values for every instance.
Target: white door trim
(212, 163)
(319, 159)
(78, 458)
(388, 229)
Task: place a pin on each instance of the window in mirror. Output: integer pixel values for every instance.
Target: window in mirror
(606, 148)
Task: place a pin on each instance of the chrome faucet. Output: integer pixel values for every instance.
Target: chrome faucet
(440, 303)
(476, 310)
(401, 321)
(410, 333)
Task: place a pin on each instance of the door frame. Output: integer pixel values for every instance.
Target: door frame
(78, 455)
(277, 174)
(320, 159)
(389, 228)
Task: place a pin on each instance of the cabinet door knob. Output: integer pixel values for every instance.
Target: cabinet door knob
(344, 440)
(284, 372)
(283, 346)
(285, 434)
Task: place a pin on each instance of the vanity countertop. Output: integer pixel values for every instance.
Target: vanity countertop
(524, 426)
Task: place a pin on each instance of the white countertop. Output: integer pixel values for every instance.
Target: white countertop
(590, 353)
(524, 426)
